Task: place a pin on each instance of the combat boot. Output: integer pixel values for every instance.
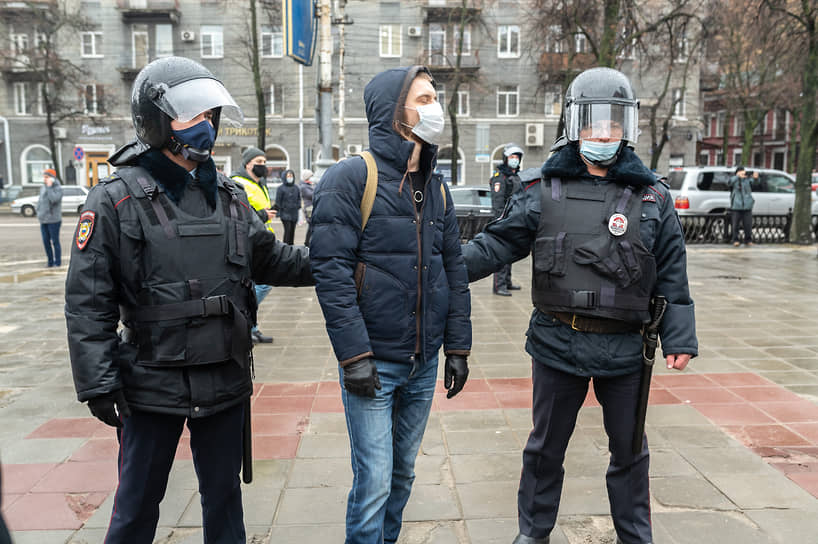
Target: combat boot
(522, 539)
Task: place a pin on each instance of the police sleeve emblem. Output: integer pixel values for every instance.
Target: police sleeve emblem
(85, 228)
(496, 186)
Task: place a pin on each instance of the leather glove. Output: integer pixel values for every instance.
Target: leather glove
(455, 374)
(361, 378)
(105, 408)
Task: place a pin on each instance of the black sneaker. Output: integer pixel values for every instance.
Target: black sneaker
(513, 287)
(259, 338)
(502, 293)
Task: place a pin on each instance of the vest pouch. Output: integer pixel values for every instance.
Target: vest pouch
(601, 253)
(630, 261)
(237, 238)
(549, 254)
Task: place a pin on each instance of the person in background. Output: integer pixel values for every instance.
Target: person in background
(503, 184)
(741, 204)
(252, 177)
(49, 213)
(307, 190)
(288, 202)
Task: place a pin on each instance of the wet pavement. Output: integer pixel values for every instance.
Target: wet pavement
(734, 438)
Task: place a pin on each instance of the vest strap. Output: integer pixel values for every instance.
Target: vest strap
(203, 307)
(556, 186)
(151, 191)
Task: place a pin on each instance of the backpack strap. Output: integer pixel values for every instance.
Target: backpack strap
(371, 187)
(443, 192)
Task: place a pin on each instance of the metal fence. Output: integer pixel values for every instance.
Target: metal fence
(716, 228)
(470, 225)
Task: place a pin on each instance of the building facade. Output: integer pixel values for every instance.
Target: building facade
(500, 100)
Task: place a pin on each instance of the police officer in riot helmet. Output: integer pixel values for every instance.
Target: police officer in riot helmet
(504, 183)
(605, 241)
(159, 301)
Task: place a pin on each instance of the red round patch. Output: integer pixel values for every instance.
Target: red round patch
(85, 228)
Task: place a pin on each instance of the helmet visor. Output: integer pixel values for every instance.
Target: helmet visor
(602, 120)
(186, 100)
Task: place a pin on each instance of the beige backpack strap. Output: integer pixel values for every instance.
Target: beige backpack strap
(443, 192)
(371, 187)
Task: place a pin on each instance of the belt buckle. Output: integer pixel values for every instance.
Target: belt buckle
(574, 323)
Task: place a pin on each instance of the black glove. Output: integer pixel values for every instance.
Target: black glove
(455, 374)
(361, 378)
(105, 408)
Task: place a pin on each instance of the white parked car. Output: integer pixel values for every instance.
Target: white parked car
(704, 190)
(73, 200)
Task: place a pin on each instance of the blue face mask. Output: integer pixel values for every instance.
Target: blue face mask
(200, 137)
(598, 152)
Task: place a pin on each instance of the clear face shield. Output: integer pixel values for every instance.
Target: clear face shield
(186, 100)
(611, 119)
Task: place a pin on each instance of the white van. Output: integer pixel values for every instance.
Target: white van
(704, 190)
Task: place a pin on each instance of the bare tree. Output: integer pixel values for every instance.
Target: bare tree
(60, 83)
(800, 24)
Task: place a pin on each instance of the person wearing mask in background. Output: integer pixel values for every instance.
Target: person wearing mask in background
(49, 213)
(307, 190)
(170, 249)
(741, 204)
(504, 183)
(604, 239)
(288, 202)
(252, 177)
(393, 290)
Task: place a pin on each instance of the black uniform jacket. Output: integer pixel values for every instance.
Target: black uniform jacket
(102, 277)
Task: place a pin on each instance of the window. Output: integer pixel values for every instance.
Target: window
(274, 100)
(682, 46)
(580, 43)
(91, 44)
(40, 40)
(466, 41)
(35, 159)
(627, 44)
(720, 128)
(706, 118)
(553, 39)
(19, 44)
(40, 103)
(437, 45)
(212, 44)
(20, 99)
(390, 40)
(778, 183)
(93, 99)
(704, 158)
(272, 42)
(164, 40)
(553, 101)
(508, 41)
(507, 101)
(139, 41)
(463, 101)
(441, 97)
(678, 103)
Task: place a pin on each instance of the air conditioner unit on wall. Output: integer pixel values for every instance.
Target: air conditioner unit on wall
(354, 149)
(534, 134)
(188, 36)
(415, 31)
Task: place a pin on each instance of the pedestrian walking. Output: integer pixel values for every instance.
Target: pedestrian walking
(171, 248)
(288, 202)
(741, 204)
(391, 283)
(252, 177)
(604, 239)
(49, 214)
(307, 191)
(504, 183)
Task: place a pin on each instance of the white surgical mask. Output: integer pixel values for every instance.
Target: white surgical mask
(431, 123)
(513, 162)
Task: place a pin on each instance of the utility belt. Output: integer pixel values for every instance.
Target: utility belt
(600, 325)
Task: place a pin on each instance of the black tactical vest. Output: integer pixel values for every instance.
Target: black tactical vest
(195, 302)
(588, 256)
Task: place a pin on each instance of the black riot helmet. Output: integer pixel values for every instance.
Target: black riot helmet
(177, 88)
(599, 95)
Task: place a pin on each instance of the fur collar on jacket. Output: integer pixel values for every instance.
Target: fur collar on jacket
(628, 169)
(173, 178)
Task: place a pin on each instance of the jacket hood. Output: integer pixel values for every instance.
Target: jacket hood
(384, 97)
(627, 170)
(284, 176)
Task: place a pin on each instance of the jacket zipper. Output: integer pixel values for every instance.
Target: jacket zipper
(420, 263)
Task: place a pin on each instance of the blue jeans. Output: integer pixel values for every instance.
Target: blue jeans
(261, 292)
(385, 435)
(51, 237)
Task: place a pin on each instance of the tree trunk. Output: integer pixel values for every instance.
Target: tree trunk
(261, 107)
(801, 213)
(792, 151)
(607, 46)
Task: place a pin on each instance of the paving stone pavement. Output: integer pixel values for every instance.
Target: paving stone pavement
(734, 438)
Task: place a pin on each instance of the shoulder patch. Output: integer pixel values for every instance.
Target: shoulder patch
(496, 186)
(649, 197)
(85, 228)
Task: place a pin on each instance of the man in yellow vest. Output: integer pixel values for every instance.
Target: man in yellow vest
(251, 177)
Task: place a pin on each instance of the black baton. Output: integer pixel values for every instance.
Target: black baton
(247, 446)
(650, 338)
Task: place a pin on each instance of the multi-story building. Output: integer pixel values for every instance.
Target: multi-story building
(501, 99)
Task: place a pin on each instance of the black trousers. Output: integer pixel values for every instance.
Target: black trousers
(147, 445)
(502, 278)
(558, 397)
(309, 233)
(745, 217)
(289, 232)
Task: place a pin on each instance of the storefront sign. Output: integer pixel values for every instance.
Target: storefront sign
(94, 130)
(242, 131)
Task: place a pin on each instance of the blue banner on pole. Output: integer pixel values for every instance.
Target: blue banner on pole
(299, 30)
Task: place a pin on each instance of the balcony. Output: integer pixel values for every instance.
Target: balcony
(19, 67)
(450, 13)
(558, 63)
(443, 65)
(155, 11)
(20, 6)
